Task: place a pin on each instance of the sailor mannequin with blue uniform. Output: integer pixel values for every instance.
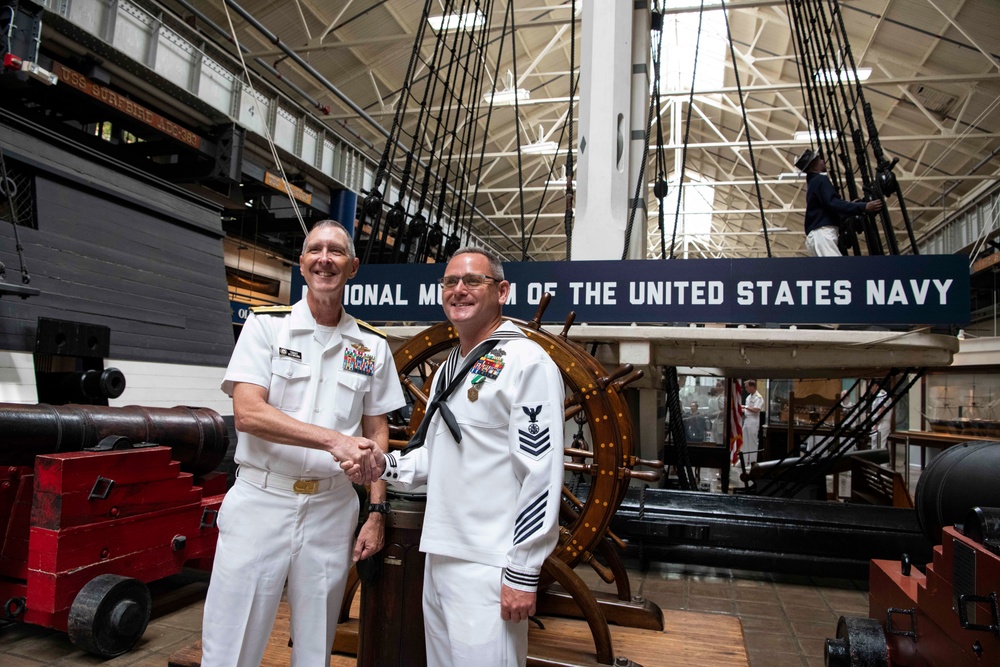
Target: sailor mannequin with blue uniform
(492, 462)
(311, 386)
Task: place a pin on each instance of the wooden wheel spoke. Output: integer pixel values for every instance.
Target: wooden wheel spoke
(603, 451)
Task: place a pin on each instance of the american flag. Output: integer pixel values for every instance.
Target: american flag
(735, 403)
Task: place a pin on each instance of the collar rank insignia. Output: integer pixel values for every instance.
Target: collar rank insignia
(489, 366)
(357, 360)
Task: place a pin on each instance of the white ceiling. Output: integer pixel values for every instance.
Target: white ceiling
(934, 91)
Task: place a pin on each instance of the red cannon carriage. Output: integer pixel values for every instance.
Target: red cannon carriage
(95, 502)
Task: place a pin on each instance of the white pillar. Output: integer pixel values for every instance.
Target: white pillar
(605, 125)
(641, 81)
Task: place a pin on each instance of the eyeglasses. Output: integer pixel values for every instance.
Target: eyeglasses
(471, 280)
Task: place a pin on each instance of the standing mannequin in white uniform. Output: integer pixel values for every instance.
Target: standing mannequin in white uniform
(492, 461)
(311, 388)
(882, 427)
(752, 406)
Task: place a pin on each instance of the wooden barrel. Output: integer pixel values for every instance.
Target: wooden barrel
(391, 632)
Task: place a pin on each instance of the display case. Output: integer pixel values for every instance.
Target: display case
(796, 410)
(965, 403)
(803, 402)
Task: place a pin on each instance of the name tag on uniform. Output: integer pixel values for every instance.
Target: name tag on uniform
(291, 354)
(358, 360)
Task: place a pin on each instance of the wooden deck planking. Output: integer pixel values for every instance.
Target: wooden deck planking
(688, 638)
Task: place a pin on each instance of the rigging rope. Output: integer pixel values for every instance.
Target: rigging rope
(9, 188)
(517, 131)
(570, 194)
(687, 131)
(746, 126)
(660, 186)
(267, 131)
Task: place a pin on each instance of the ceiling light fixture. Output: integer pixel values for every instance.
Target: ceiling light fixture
(790, 175)
(830, 77)
(540, 148)
(507, 97)
(456, 21)
(813, 135)
(509, 94)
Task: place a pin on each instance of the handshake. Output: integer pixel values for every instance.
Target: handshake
(361, 459)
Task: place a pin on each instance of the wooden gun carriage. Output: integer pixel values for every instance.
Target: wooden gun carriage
(95, 502)
(947, 614)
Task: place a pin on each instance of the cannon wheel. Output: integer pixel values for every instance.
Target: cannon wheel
(860, 642)
(109, 615)
(588, 387)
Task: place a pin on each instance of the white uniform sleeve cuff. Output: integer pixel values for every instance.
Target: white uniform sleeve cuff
(391, 471)
(522, 580)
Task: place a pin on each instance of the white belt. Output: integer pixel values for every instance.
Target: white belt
(266, 479)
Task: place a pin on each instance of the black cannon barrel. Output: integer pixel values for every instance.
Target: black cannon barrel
(198, 437)
(958, 479)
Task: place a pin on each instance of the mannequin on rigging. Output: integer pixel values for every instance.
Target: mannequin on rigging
(825, 210)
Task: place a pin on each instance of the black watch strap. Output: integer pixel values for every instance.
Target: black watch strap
(382, 507)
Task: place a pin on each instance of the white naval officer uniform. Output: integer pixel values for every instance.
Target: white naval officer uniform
(751, 426)
(492, 498)
(271, 528)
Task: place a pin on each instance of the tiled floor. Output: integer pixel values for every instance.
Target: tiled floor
(785, 619)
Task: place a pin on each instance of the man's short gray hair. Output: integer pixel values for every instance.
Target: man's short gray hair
(336, 225)
(496, 264)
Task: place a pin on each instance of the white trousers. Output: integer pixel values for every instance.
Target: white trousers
(880, 435)
(268, 536)
(822, 242)
(750, 444)
(462, 624)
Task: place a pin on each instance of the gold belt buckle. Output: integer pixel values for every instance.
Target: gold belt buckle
(306, 486)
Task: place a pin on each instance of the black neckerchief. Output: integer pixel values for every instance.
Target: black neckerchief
(439, 402)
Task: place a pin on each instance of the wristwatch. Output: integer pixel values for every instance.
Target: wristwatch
(382, 507)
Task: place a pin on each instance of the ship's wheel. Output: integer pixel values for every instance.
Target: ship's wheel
(594, 402)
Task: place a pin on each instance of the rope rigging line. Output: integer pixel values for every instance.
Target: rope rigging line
(687, 131)
(401, 106)
(746, 126)
(267, 131)
(451, 126)
(895, 385)
(840, 117)
(8, 188)
(660, 185)
(517, 131)
(811, 60)
(548, 179)
(639, 194)
(489, 116)
(570, 194)
(675, 427)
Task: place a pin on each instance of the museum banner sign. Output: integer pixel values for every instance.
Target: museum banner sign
(903, 290)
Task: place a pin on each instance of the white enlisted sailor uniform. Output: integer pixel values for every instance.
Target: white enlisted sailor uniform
(492, 498)
(292, 513)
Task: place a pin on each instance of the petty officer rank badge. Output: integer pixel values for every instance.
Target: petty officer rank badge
(358, 360)
(488, 367)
